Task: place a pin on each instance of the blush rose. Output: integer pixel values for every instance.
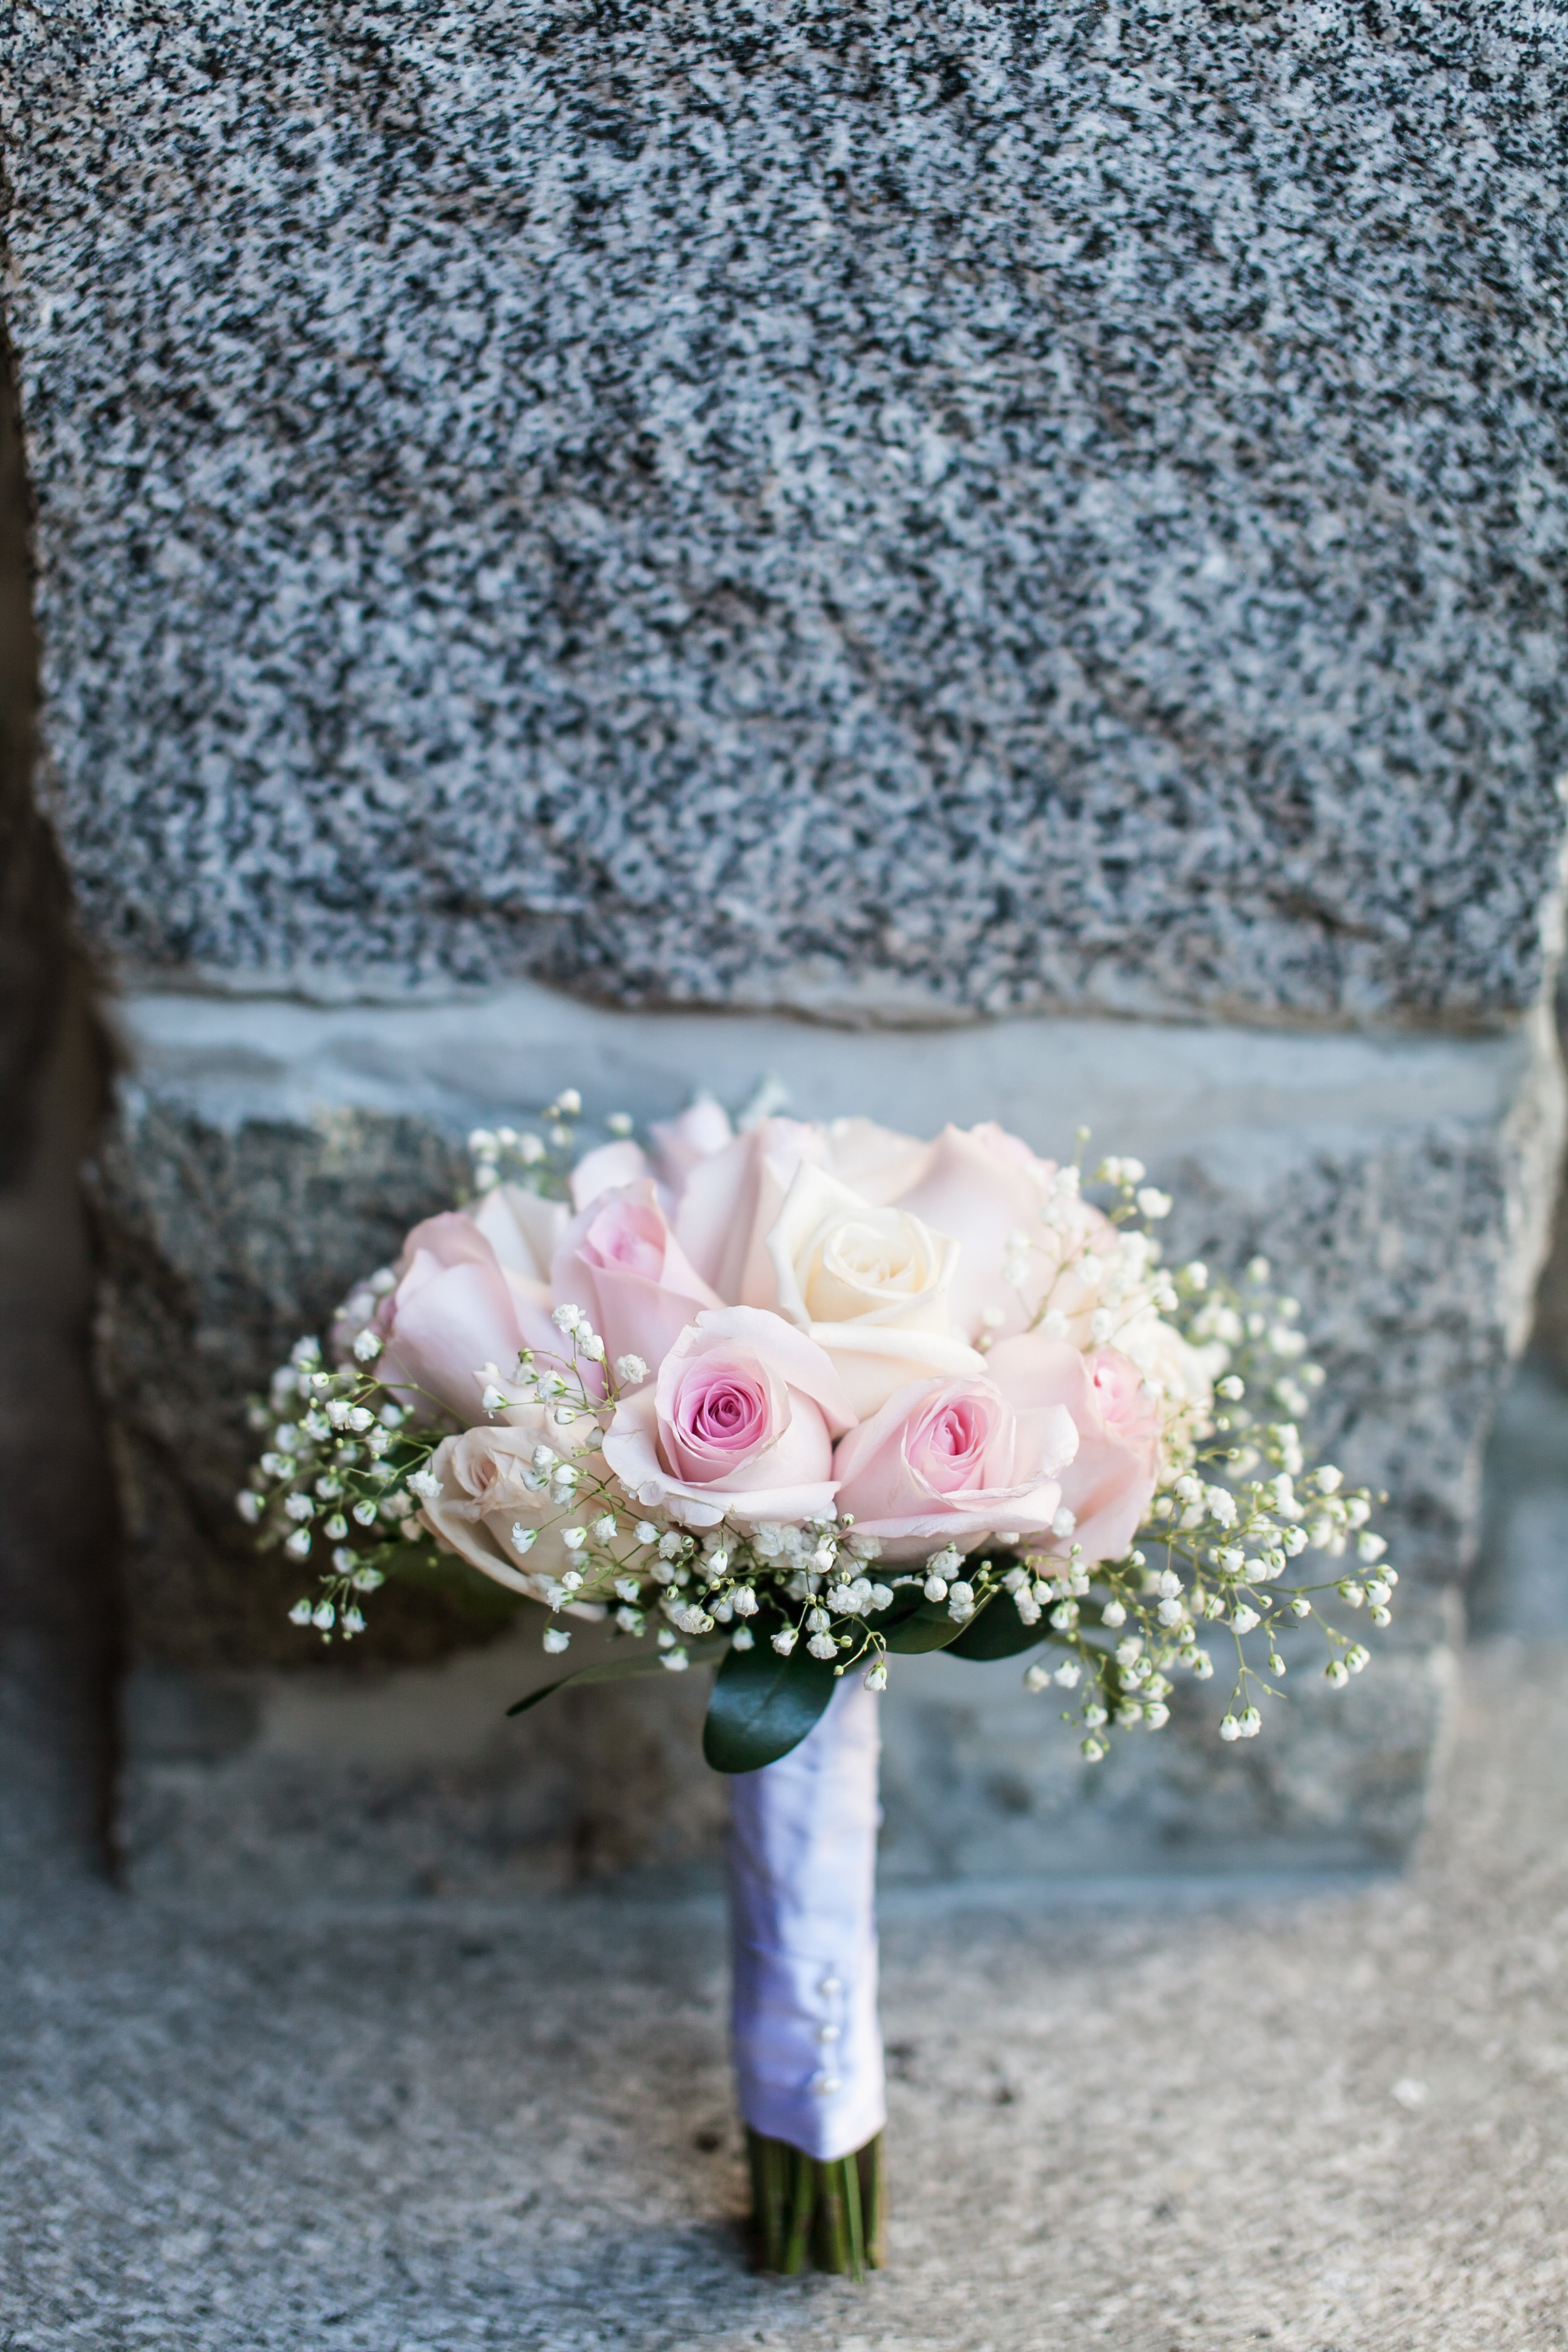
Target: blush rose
(1111, 1482)
(489, 1489)
(621, 1263)
(456, 1310)
(740, 1424)
(953, 1462)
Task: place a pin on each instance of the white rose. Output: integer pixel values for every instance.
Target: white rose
(870, 1285)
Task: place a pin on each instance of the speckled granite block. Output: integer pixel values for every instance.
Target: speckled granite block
(889, 510)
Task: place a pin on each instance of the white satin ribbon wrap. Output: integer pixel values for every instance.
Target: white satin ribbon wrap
(802, 1918)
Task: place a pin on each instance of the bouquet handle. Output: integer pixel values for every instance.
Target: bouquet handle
(807, 2040)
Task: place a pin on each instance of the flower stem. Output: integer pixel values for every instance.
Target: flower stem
(804, 2208)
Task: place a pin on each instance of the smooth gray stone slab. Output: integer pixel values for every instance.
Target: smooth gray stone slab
(268, 1153)
(391, 1786)
(954, 505)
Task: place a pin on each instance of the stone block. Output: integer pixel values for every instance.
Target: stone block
(269, 1153)
(409, 1783)
(971, 507)
(905, 520)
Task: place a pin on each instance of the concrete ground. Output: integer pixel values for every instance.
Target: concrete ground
(1323, 2119)
(1333, 2124)
(1332, 2121)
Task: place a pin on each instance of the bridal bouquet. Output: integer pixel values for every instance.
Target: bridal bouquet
(796, 1400)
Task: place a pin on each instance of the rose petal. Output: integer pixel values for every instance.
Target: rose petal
(450, 1320)
(619, 1261)
(679, 1143)
(1111, 1483)
(730, 1202)
(602, 1170)
(521, 1227)
(981, 1187)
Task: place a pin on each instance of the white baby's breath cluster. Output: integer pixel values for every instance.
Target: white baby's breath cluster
(1224, 1558)
(1244, 1545)
(338, 1483)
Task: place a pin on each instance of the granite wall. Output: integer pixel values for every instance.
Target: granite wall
(965, 507)
(997, 529)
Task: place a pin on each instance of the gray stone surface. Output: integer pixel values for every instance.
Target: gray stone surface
(218, 1249)
(275, 1787)
(1405, 1184)
(969, 506)
(1548, 1329)
(59, 1619)
(35, 956)
(1305, 2118)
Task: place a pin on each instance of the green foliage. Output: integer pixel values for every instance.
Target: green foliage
(763, 1704)
(996, 1631)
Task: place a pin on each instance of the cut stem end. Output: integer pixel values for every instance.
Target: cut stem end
(805, 2211)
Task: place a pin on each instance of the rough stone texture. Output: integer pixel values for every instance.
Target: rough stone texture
(1549, 1331)
(1519, 1584)
(1403, 1185)
(245, 1787)
(219, 1250)
(35, 957)
(60, 1620)
(1306, 2120)
(968, 506)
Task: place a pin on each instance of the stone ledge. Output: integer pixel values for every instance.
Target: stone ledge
(268, 1151)
(248, 1787)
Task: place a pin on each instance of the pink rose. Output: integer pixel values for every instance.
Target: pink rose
(523, 1228)
(495, 1510)
(983, 1187)
(611, 1166)
(879, 1162)
(950, 1460)
(1109, 1484)
(621, 1263)
(731, 1198)
(679, 1143)
(740, 1424)
(454, 1310)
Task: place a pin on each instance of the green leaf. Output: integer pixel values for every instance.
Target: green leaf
(997, 1631)
(762, 1706)
(927, 1626)
(621, 1670)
